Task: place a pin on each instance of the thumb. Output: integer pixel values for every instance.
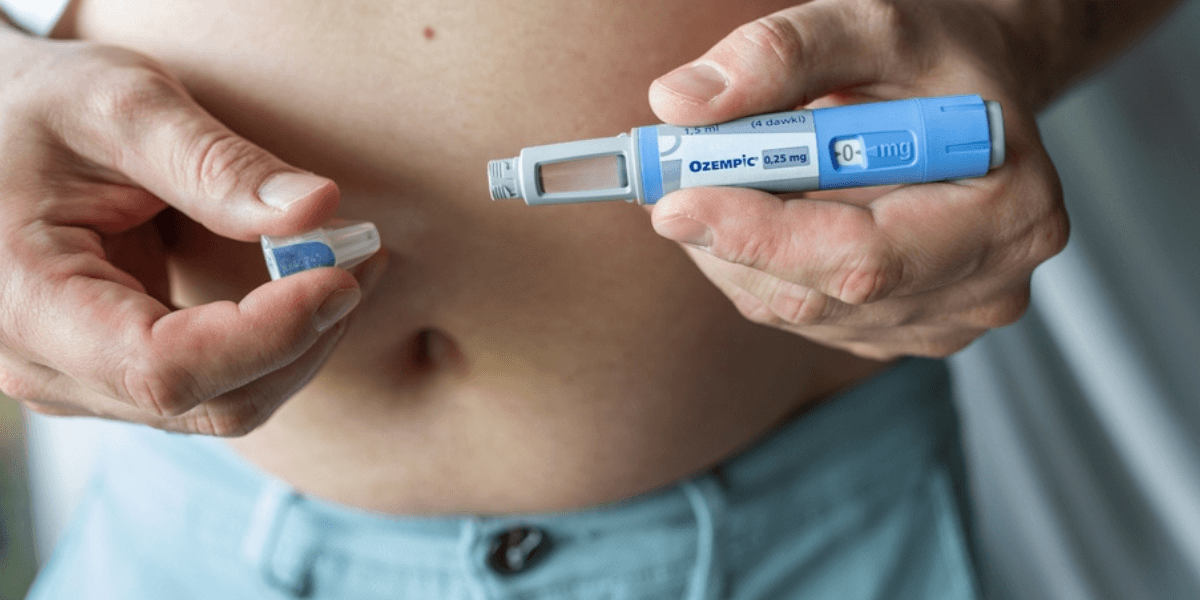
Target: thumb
(154, 133)
(779, 62)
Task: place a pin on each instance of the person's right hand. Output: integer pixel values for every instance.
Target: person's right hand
(94, 142)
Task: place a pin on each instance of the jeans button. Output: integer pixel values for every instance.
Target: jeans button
(517, 549)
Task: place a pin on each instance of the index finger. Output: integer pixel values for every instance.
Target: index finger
(910, 240)
(128, 346)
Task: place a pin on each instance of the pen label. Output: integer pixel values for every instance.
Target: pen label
(769, 160)
(798, 121)
(697, 166)
(779, 158)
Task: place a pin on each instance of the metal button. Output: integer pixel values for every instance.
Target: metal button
(517, 549)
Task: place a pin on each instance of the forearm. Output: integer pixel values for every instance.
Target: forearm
(1062, 41)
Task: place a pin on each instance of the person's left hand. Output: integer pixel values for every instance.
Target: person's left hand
(915, 270)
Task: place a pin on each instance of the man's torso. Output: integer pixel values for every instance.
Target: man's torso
(513, 358)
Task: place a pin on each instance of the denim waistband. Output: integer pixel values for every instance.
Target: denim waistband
(869, 437)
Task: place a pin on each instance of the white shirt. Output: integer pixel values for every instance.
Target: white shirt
(36, 16)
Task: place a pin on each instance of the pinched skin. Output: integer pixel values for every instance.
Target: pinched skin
(512, 358)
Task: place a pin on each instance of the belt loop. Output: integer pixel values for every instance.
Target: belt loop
(282, 541)
(472, 564)
(705, 494)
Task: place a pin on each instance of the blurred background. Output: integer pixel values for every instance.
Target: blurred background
(1082, 421)
(17, 559)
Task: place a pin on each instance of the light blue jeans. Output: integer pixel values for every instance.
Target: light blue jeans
(859, 498)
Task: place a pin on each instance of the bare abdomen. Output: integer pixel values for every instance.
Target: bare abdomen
(514, 358)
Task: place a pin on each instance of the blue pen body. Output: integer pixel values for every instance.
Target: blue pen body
(904, 141)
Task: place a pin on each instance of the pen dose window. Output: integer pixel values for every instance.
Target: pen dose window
(583, 175)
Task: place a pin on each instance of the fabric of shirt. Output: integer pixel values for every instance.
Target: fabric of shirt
(36, 16)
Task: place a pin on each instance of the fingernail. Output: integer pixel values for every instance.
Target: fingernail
(699, 81)
(336, 306)
(282, 189)
(686, 231)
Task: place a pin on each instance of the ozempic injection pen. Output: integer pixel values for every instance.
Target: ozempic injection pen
(905, 141)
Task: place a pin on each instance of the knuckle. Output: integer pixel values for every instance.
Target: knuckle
(216, 160)
(751, 252)
(235, 414)
(126, 94)
(161, 389)
(780, 39)
(893, 37)
(870, 278)
(759, 251)
(799, 305)
(883, 20)
(1047, 226)
(122, 102)
(756, 310)
(1056, 231)
(226, 419)
(894, 25)
(1005, 311)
